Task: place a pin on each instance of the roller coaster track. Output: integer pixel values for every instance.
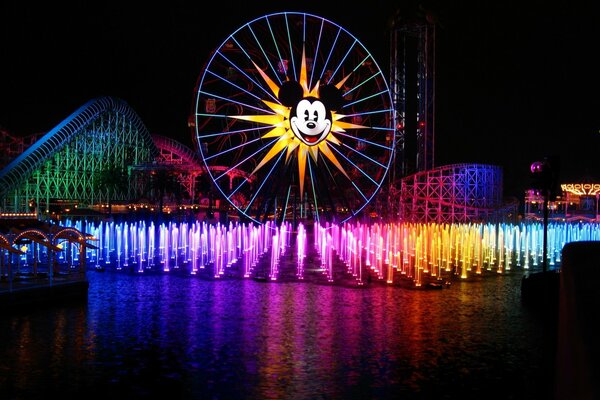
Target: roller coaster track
(454, 193)
(87, 140)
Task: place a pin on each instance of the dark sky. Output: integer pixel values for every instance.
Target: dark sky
(515, 80)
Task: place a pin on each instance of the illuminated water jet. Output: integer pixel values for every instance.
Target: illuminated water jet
(353, 252)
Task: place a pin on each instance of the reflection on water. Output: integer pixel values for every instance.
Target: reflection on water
(143, 335)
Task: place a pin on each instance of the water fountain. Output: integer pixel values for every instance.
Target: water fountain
(351, 253)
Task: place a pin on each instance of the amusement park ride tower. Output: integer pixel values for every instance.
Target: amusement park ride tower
(419, 190)
(412, 83)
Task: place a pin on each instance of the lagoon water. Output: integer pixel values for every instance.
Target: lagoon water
(173, 336)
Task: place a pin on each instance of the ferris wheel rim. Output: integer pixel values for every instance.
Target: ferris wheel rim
(386, 128)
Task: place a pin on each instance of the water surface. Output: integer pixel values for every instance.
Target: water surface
(139, 336)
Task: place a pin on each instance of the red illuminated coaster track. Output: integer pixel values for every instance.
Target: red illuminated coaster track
(299, 105)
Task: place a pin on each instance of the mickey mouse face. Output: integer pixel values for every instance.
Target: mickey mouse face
(310, 117)
(310, 121)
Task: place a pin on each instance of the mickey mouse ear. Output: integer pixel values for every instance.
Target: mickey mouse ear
(290, 93)
(331, 96)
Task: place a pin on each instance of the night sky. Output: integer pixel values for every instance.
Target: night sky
(515, 80)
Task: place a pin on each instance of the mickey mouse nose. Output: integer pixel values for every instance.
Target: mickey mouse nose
(311, 125)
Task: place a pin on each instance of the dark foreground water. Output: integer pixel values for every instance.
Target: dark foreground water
(179, 337)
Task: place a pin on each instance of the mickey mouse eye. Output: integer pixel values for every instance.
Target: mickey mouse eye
(319, 111)
(303, 109)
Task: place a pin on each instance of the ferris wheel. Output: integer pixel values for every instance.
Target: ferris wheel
(294, 119)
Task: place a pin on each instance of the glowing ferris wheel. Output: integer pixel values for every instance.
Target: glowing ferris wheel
(294, 119)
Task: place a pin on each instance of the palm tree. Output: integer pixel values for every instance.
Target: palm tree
(112, 180)
(163, 181)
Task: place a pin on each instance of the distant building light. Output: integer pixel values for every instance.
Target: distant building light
(581, 189)
(18, 215)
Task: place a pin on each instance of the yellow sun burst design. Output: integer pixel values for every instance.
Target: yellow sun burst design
(280, 122)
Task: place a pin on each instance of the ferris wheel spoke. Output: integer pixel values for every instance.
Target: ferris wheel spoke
(242, 89)
(330, 56)
(364, 156)
(233, 149)
(364, 142)
(238, 188)
(315, 54)
(356, 167)
(273, 39)
(361, 84)
(248, 158)
(252, 134)
(265, 57)
(314, 191)
(266, 180)
(244, 104)
(359, 191)
(243, 131)
(255, 82)
(370, 97)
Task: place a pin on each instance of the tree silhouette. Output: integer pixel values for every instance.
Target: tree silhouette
(113, 181)
(163, 181)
